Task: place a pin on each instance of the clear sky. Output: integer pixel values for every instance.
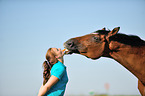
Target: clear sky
(28, 28)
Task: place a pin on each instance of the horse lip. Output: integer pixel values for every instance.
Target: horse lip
(69, 51)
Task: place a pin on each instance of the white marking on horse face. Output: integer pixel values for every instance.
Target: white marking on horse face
(94, 33)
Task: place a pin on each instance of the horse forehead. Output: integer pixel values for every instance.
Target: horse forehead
(87, 36)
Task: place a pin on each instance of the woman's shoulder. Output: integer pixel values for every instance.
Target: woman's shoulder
(59, 65)
(58, 69)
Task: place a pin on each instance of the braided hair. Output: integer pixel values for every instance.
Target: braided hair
(47, 65)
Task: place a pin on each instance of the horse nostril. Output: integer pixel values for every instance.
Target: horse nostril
(71, 44)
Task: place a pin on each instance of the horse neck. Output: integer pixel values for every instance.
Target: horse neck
(132, 58)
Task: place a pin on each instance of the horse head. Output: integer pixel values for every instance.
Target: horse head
(93, 45)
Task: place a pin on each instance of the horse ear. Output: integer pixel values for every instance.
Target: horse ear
(113, 32)
(104, 28)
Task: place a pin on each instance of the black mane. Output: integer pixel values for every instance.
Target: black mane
(103, 32)
(128, 39)
(132, 40)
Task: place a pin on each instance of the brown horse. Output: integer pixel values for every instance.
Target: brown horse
(129, 51)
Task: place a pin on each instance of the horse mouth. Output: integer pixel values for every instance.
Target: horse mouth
(70, 50)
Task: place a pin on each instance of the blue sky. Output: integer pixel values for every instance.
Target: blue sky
(28, 28)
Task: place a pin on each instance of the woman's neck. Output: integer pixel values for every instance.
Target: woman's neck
(61, 59)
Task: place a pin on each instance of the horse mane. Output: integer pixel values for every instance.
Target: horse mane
(132, 40)
(102, 32)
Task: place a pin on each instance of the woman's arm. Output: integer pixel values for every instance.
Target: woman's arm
(40, 88)
(52, 80)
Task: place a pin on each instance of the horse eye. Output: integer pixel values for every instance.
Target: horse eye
(96, 38)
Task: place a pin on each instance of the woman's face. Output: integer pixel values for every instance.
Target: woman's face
(57, 51)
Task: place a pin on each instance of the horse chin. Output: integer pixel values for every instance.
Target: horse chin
(91, 57)
(69, 52)
(95, 58)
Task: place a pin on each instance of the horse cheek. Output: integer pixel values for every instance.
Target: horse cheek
(96, 53)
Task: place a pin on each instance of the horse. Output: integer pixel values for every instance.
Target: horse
(128, 50)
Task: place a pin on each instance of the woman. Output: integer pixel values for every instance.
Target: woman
(54, 74)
